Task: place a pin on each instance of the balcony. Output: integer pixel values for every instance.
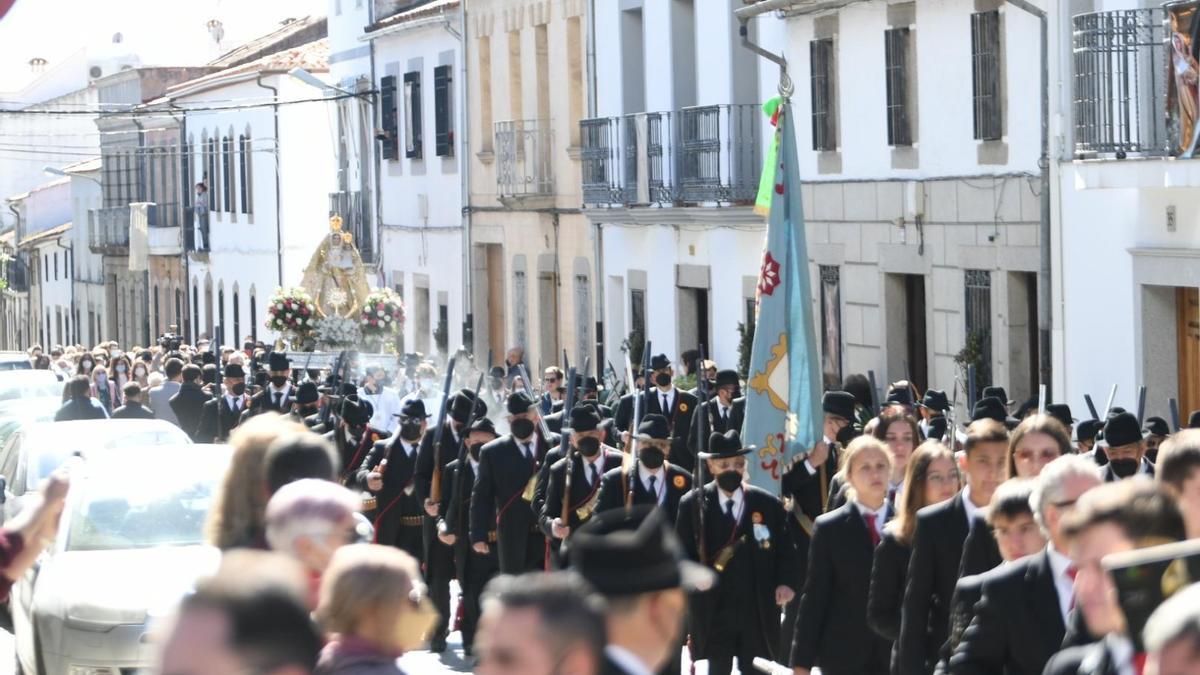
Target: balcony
(356, 219)
(16, 275)
(165, 231)
(524, 159)
(196, 234)
(697, 155)
(108, 230)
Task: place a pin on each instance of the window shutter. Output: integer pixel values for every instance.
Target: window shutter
(389, 145)
(443, 126)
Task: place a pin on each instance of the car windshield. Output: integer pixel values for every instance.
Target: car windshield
(144, 499)
(52, 444)
(26, 384)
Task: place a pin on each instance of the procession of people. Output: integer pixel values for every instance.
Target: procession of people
(621, 518)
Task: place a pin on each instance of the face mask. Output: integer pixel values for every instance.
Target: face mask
(426, 383)
(121, 368)
(410, 431)
(662, 379)
(238, 389)
(521, 428)
(1124, 468)
(474, 450)
(279, 381)
(356, 430)
(651, 458)
(140, 372)
(589, 447)
(414, 624)
(847, 434)
(87, 365)
(729, 480)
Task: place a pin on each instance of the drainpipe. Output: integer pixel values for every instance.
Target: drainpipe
(468, 302)
(1044, 240)
(142, 193)
(598, 239)
(278, 165)
(186, 262)
(376, 162)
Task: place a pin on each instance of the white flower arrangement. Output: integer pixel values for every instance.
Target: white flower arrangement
(336, 331)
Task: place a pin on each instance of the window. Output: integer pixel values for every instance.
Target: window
(219, 329)
(985, 75)
(896, 46)
(56, 265)
(520, 306)
(195, 335)
(389, 146)
(244, 168)
(978, 347)
(178, 310)
(485, 94)
(46, 266)
(253, 315)
(213, 176)
(157, 315)
(237, 319)
(831, 326)
(824, 114)
(412, 115)
(227, 165)
(637, 311)
(443, 115)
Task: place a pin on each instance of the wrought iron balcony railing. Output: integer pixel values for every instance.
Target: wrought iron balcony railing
(524, 158)
(196, 233)
(108, 230)
(702, 154)
(356, 219)
(1121, 87)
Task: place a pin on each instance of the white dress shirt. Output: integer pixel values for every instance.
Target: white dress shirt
(670, 394)
(660, 482)
(972, 510)
(1063, 584)
(739, 502)
(880, 515)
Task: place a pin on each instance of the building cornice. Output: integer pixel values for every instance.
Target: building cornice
(712, 217)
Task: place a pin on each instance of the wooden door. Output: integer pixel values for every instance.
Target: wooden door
(1187, 304)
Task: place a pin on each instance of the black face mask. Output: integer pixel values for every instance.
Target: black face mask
(410, 431)
(588, 447)
(1124, 468)
(474, 450)
(278, 381)
(356, 430)
(729, 480)
(238, 389)
(651, 458)
(521, 428)
(847, 434)
(662, 379)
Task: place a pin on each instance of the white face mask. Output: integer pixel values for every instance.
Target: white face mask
(426, 383)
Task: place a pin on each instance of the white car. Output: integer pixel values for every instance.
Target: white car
(131, 545)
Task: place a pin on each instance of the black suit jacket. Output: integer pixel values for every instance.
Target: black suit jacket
(454, 511)
(937, 553)
(133, 411)
(772, 564)
(1091, 659)
(614, 488)
(711, 420)
(967, 592)
(188, 404)
(208, 430)
(623, 416)
(1017, 626)
(264, 401)
(805, 489)
(980, 552)
(889, 569)
(831, 628)
(680, 417)
(425, 464)
(1146, 469)
(583, 496)
(497, 501)
(397, 497)
(352, 454)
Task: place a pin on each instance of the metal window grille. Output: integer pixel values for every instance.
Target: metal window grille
(978, 285)
(520, 307)
(985, 75)
(637, 310)
(896, 48)
(831, 326)
(824, 115)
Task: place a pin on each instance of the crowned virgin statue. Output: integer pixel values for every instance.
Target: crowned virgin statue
(335, 275)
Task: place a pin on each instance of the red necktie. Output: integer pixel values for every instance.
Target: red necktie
(1071, 572)
(870, 518)
(1139, 663)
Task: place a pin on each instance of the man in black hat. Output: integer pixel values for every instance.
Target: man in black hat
(1062, 413)
(222, 415)
(306, 405)
(656, 482)
(504, 491)
(636, 561)
(389, 472)
(1125, 448)
(278, 394)
(1156, 432)
(587, 393)
(989, 408)
(724, 411)
(474, 569)
(747, 542)
(353, 437)
(900, 394)
(675, 405)
(497, 391)
(1085, 437)
(1194, 420)
(999, 394)
(589, 460)
(439, 558)
(933, 406)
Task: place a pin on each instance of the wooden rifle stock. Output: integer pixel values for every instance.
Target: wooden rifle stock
(435, 483)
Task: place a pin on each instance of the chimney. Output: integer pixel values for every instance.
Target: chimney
(38, 65)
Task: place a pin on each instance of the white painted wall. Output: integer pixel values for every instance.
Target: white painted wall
(55, 293)
(47, 206)
(88, 267)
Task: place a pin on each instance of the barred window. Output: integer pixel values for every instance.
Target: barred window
(978, 348)
(831, 326)
(824, 108)
(985, 75)
(896, 48)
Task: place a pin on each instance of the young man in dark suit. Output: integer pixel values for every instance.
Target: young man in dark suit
(474, 569)
(188, 402)
(389, 473)
(353, 437)
(937, 549)
(222, 415)
(1113, 517)
(747, 542)
(655, 481)
(589, 460)
(504, 490)
(674, 404)
(133, 408)
(723, 411)
(279, 393)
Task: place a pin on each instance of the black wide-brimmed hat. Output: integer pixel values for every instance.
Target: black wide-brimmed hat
(307, 393)
(584, 418)
(630, 552)
(278, 361)
(356, 412)
(459, 408)
(727, 377)
(234, 370)
(413, 408)
(900, 396)
(654, 427)
(1062, 413)
(935, 399)
(483, 424)
(989, 408)
(1122, 429)
(725, 446)
(838, 403)
(937, 427)
(997, 392)
(1087, 429)
(1194, 420)
(518, 403)
(1157, 426)
(659, 362)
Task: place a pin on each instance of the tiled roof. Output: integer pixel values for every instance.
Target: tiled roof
(271, 42)
(414, 13)
(313, 57)
(46, 234)
(86, 166)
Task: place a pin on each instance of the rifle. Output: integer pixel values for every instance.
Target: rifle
(456, 494)
(1141, 409)
(529, 393)
(698, 470)
(564, 448)
(970, 386)
(1174, 414)
(435, 486)
(1041, 399)
(1112, 393)
(633, 451)
(566, 363)
(951, 425)
(874, 393)
(1087, 398)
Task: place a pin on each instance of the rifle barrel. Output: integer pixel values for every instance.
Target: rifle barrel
(435, 485)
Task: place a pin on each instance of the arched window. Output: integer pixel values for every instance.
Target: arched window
(227, 168)
(157, 316)
(237, 318)
(253, 315)
(195, 332)
(220, 328)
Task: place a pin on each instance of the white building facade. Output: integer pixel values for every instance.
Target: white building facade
(88, 305)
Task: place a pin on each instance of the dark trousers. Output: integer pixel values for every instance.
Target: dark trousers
(407, 538)
(479, 569)
(532, 558)
(439, 570)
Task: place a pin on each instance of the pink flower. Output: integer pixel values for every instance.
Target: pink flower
(379, 305)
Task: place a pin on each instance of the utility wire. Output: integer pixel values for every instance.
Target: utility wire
(171, 112)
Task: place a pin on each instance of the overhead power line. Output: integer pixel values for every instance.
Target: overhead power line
(160, 112)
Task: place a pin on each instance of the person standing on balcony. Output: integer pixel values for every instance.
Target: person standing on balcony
(200, 217)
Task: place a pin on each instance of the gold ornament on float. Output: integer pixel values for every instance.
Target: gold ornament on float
(335, 274)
